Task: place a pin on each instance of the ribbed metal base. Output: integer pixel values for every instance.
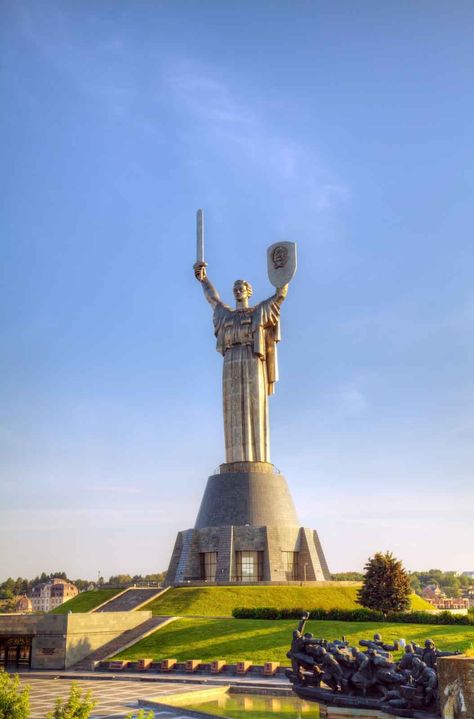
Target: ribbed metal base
(256, 498)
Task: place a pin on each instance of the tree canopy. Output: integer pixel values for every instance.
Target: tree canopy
(386, 585)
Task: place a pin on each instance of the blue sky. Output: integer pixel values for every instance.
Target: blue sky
(346, 127)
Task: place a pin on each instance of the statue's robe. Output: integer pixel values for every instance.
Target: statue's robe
(247, 339)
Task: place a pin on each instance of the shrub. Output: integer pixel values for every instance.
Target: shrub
(78, 705)
(14, 700)
(353, 615)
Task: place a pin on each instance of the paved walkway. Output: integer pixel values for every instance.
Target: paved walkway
(117, 697)
(114, 698)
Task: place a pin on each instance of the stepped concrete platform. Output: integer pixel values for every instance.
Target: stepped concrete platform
(130, 599)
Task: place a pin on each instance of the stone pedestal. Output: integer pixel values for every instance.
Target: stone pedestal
(247, 520)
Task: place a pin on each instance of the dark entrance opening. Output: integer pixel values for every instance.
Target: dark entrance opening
(15, 652)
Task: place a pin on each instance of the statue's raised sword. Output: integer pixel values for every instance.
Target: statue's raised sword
(200, 236)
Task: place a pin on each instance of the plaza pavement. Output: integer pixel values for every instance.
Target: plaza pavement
(118, 697)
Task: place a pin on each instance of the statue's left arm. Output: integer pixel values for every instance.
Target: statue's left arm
(268, 334)
(280, 295)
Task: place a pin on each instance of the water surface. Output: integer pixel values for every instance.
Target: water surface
(256, 706)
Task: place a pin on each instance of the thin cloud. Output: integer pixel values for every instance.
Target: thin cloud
(235, 131)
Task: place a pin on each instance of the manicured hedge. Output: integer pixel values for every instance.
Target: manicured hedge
(353, 615)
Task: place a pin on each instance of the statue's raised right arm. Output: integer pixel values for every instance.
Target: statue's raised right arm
(210, 292)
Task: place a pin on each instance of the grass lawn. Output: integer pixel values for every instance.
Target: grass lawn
(263, 640)
(219, 601)
(86, 601)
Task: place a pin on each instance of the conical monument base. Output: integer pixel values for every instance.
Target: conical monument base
(247, 531)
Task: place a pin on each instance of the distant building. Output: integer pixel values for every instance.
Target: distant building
(431, 592)
(450, 603)
(468, 574)
(23, 604)
(469, 595)
(48, 595)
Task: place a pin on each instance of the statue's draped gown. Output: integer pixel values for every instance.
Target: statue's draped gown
(246, 338)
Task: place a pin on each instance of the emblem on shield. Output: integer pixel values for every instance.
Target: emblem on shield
(281, 259)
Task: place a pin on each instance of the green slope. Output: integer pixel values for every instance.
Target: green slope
(86, 601)
(264, 640)
(220, 601)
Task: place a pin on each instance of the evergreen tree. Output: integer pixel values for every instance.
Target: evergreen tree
(386, 585)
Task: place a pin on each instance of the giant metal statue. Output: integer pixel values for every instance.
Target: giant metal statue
(247, 528)
(247, 337)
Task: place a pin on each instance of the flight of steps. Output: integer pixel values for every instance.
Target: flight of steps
(183, 559)
(133, 598)
(131, 636)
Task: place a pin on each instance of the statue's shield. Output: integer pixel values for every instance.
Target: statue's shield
(281, 258)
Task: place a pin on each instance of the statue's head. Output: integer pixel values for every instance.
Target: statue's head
(429, 644)
(377, 637)
(242, 290)
(409, 649)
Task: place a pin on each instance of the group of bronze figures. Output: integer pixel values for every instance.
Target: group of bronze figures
(365, 676)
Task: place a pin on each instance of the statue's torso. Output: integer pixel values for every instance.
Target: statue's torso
(236, 328)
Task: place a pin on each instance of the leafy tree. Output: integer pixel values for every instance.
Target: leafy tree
(120, 580)
(158, 577)
(415, 583)
(14, 700)
(347, 577)
(78, 705)
(81, 584)
(386, 585)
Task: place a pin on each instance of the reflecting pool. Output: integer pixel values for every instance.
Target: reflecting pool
(255, 706)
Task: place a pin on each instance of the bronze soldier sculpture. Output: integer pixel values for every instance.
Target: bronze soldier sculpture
(336, 673)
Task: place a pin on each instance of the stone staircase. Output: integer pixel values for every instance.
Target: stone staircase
(184, 556)
(124, 640)
(131, 599)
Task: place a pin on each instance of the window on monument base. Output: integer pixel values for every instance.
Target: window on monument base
(208, 566)
(290, 565)
(249, 566)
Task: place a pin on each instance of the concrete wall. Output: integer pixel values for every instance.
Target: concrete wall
(61, 640)
(87, 632)
(49, 645)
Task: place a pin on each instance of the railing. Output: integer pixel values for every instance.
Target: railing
(217, 470)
